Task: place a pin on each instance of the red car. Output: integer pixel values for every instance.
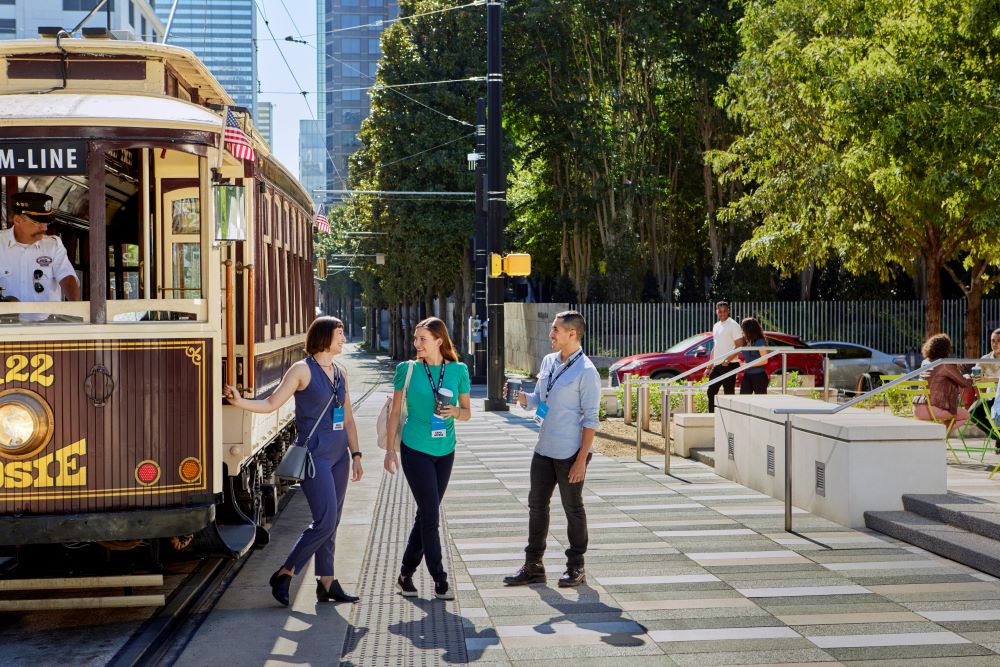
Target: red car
(696, 350)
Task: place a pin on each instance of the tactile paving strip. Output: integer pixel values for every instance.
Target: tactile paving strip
(386, 628)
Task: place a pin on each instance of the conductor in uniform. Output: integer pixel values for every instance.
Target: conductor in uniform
(33, 265)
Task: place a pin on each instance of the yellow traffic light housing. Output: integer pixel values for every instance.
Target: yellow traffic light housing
(496, 265)
(511, 265)
(321, 268)
(517, 265)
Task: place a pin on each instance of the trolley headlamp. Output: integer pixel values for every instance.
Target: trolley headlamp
(26, 423)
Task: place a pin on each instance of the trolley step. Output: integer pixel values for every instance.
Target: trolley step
(40, 594)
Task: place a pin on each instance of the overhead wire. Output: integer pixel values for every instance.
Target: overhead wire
(381, 86)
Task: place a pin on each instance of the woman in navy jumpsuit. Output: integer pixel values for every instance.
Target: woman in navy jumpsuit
(334, 448)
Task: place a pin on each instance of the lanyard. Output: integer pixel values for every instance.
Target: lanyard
(334, 385)
(430, 378)
(552, 380)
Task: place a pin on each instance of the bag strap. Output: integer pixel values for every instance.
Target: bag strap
(409, 374)
(316, 424)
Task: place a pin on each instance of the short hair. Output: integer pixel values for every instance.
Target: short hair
(937, 346)
(572, 319)
(995, 332)
(320, 333)
(722, 304)
(751, 330)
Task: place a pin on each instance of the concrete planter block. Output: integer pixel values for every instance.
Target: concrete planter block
(609, 399)
(843, 464)
(692, 430)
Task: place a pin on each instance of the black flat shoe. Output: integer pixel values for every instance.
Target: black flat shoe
(335, 594)
(279, 586)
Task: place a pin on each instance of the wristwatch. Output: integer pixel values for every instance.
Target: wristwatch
(356, 455)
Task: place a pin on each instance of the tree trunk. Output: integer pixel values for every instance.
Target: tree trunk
(408, 321)
(932, 280)
(806, 278)
(974, 318)
(393, 338)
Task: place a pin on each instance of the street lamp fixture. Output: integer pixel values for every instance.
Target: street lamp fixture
(473, 159)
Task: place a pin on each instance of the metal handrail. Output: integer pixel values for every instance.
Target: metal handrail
(906, 377)
(667, 388)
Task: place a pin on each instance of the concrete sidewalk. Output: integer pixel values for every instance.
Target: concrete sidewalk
(687, 570)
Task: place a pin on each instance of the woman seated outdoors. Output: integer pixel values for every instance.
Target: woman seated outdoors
(944, 382)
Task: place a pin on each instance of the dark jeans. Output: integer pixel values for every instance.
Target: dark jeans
(428, 479)
(546, 474)
(729, 384)
(754, 383)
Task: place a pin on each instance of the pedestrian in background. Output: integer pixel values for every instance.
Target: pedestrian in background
(334, 449)
(755, 379)
(428, 444)
(566, 401)
(726, 337)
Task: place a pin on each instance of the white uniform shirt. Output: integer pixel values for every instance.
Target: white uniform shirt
(725, 334)
(19, 262)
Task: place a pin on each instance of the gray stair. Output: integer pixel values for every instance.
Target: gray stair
(961, 528)
(705, 455)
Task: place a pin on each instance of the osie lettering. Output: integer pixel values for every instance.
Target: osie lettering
(62, 468)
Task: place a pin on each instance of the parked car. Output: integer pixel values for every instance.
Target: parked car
(696, 350)
(859, 367)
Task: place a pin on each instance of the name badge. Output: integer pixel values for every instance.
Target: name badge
(541, 413)
(338, 419)
(438, 427)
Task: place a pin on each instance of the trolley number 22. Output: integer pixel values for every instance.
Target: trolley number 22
(20, 368)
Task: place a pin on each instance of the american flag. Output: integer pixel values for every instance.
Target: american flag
(322, 224)
(237, 142)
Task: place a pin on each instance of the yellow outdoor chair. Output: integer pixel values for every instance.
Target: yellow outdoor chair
(915, 390)
(985, 393)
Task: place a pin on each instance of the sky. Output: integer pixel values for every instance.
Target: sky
(298, 19)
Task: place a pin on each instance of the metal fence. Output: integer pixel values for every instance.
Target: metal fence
(895, 327)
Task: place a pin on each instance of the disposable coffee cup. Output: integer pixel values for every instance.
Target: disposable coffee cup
(513, 391)
(444, 397)
(977, 371)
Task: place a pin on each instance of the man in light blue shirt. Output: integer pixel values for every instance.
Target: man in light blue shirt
(566, 402)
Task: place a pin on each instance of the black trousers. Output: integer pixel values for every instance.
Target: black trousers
(546, 474)
(980, 415)
(729, 384)
(428, 479)
(754, 383)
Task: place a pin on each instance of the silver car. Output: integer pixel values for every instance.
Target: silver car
(858, 367)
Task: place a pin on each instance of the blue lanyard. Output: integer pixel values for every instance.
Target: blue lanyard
(552, 380)
(430, 378)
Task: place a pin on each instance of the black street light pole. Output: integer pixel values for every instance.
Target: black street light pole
(496, 196)
(480, 249)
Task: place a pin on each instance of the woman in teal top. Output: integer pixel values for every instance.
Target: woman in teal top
(427, 452)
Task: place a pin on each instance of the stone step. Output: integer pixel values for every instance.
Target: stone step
(972, 514)
(706, 456)
(952, 542)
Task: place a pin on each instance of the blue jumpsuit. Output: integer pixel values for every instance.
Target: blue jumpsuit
(324, 492)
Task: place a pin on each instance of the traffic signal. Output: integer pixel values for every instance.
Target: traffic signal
(321, 268)
(511, 265)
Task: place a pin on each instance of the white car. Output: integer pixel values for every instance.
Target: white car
(858, 367)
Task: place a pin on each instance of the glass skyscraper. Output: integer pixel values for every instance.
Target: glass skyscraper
(348, 51)
(222, 34)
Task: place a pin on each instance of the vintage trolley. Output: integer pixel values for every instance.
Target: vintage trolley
(195, 269)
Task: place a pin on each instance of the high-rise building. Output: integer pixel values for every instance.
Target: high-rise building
(348, 62)
(312, 157)
(127, 19)
(222, 34)
(263, 120)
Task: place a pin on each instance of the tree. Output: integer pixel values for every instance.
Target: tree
(869, 135)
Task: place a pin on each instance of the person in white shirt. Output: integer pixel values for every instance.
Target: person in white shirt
(33, 265)
(727, 336)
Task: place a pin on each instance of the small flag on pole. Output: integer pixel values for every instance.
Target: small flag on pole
(236, 141)
(322, 224)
